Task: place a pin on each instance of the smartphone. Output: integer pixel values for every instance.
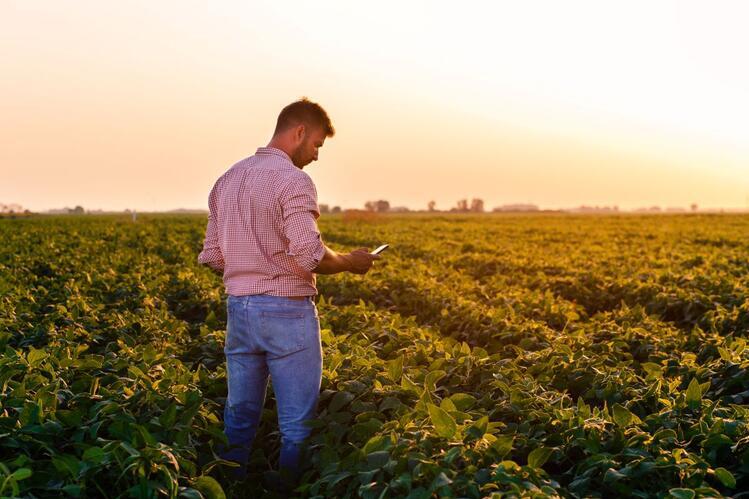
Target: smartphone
(380, 249)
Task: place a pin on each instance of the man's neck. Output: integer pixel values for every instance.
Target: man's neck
(281, 146)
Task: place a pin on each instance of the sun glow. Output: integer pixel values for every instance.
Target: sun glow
(144, 104)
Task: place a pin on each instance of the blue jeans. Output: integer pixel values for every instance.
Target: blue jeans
(281, 337)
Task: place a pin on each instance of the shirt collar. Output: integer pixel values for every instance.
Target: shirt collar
(275, 152)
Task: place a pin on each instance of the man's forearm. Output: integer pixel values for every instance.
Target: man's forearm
(332, 263)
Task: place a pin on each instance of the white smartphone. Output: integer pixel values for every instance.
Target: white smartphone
(380, 249)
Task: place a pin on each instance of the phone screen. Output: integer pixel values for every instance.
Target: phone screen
(380, 249)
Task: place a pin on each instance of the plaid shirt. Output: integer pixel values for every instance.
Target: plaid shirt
(262, 230)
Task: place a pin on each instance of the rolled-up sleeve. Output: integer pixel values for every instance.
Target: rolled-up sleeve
(211, 254)
(300, 213)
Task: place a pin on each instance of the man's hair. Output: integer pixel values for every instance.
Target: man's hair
(306, 112)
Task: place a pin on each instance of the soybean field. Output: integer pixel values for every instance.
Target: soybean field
(494, 355)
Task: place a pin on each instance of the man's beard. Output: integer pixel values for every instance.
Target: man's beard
(297, 157)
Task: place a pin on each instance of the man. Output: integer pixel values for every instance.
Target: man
(262, 235)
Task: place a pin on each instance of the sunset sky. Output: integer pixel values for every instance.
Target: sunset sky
(144, 104)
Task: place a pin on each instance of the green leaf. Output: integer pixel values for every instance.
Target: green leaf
(665, 434)
(169, 416)
(130, 449)
(448, 405)
(209, 487)
(408, 385)
(94, 455)
(24, 473)
(66, 463)
(73, 489)
(440, 480)
(725, 477)
(395, 369)
(478, 429)
(682, 493)
(443, 423)
(653, 369)
(583, 410)
(430, 380)
(340, 400)
(538, 457)
(613, 475)
(725, 354)
(622, 416)
(503, 445)
(35, 357)
(187, 493)
(694, 393)
(378, 442)
(377, 459)
(148, 439)
(463, 401)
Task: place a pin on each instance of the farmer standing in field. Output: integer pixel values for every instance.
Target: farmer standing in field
(262, 234)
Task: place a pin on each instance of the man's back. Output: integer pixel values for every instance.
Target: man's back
(262, 229)
(262, 234)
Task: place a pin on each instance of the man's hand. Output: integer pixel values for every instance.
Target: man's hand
(358, 262)
(361, 260)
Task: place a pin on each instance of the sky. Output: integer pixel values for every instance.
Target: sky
(143, 105)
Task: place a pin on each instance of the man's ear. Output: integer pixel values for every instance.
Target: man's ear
(299, 132)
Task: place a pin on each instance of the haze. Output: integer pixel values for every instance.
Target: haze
(143, 105)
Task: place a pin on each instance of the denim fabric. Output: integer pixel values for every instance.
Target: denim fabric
(280, 337)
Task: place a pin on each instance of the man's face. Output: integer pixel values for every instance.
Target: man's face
(313, 139)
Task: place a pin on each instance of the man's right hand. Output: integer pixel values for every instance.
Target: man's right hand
(361, 260)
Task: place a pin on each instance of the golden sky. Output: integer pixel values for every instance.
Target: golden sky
(144, 104)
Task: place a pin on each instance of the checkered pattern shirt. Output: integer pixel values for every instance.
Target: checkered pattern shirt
(262, 230)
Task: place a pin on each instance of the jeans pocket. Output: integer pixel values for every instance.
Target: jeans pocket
(238, 330)
(283, 331)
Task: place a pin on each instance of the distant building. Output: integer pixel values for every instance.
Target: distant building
(516, 207)
(400, 209)
(594, 209)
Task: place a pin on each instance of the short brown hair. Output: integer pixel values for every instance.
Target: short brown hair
(306, 112)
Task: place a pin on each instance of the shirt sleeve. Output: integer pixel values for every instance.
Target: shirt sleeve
(300, 213)
(211, 254)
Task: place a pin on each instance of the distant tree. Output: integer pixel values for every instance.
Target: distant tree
(380, 205)
(336, 209)
(324, 208)
(78, 210)
(11, 208)
(462, 205)
(431, 206)
(477, 205)
(693, 206)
